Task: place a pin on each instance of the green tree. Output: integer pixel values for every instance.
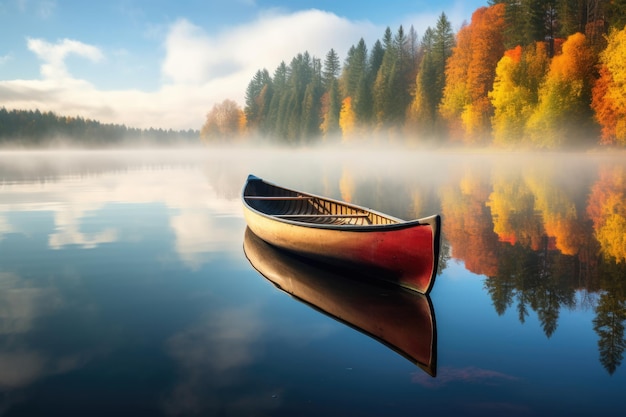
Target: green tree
(331, 98)
(437, 47)
(257, 98)
(391, 92)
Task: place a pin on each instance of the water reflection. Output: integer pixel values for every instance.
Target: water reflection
(548, 235)
(125, 275)
(403, 321)
(79, 206)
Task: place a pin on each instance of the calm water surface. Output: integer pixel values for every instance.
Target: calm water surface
(125, 290)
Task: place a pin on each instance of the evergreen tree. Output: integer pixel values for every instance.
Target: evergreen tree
(354, 69)
(391, 90)
(375, 60)
(332, 68)
(254, 109)
(331, 99)
(437, 45)
(442, 44)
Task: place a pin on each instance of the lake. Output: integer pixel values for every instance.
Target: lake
(125, 289)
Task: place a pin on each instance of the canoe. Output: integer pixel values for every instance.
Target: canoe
(345, 235)
(403, 321)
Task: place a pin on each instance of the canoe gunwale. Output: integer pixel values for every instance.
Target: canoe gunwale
(404, 253)
(399, 223)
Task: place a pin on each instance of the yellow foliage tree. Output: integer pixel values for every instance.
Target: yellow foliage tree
(347, 119)
(564, 96)
(511, 99)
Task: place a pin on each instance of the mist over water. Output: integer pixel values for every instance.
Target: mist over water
(122, 271)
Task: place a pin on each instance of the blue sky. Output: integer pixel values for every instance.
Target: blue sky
(165, 63)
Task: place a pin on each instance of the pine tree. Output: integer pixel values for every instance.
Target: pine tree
(332, 68)
(331, 99)
(255, 101)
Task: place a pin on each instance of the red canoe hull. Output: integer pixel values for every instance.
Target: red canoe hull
(405, 253)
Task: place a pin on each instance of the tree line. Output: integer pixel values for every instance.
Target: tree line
(29, 128)
(529, 73)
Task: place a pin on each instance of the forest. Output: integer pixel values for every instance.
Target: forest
(32, 128)
(522, 73)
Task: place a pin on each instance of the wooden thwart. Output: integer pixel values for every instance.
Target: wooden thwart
(327, 216)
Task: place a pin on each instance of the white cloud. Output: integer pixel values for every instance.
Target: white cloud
(53, 55)
(198, 70)
(194, 56)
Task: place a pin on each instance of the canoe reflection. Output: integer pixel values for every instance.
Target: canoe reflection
(402, 320)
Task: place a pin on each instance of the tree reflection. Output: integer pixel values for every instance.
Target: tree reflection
(546, 238)
(539, 280)
(611, 315)
(469, 225)
(607, 209)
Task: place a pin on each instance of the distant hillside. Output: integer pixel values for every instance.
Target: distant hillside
(32, 128)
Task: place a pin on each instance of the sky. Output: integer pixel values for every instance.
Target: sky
(166, 63)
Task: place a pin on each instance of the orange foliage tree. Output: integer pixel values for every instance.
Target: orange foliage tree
(225, 121)
(455, 94)
(609, 91)
(470, 73)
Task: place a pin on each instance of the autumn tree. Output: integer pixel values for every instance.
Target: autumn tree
(563, 114)
(225, 122)
(515, 92)
(347, 119)
(609, 91)
(470, 73)
(510, 100)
